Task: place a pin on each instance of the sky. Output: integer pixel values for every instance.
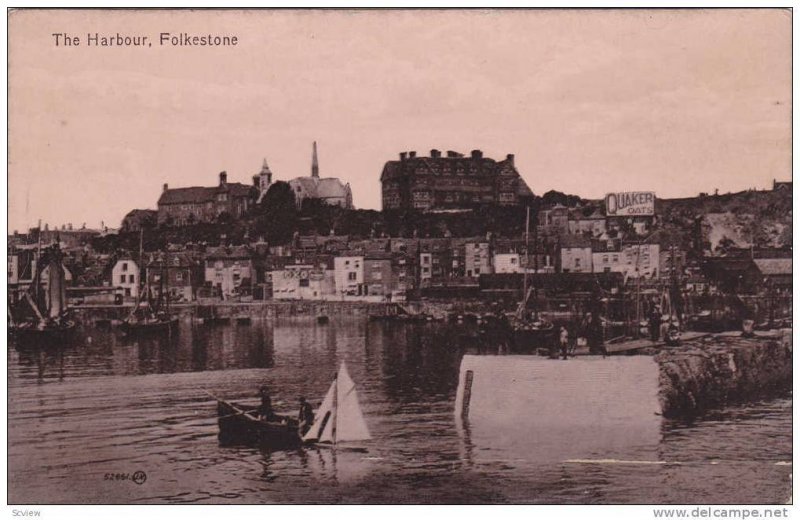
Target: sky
(674, 101)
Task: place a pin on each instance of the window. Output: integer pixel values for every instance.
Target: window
(577, 263)
(304, 282)
(179, 276)
(124, 266)
(127, 291)
(513, 260)
(122, 278)
(605, 259)
(131, 279)
(351, 277)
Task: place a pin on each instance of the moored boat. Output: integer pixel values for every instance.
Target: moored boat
(47, 321)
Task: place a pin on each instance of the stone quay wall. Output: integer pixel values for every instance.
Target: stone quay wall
(721, 370)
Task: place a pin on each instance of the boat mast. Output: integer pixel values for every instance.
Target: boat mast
(535, 268)
(528, 256)
(334, 408)
(166, 283)
(35, 279)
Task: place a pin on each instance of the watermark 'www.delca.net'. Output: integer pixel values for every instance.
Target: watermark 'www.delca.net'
(721, 512)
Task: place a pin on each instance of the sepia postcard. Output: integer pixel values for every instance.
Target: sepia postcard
(400, 256)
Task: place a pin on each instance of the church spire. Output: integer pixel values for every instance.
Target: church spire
(314, 163)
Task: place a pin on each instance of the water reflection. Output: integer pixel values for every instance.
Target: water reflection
(110, 403)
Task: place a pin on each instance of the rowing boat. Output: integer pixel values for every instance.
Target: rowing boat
(338, 420)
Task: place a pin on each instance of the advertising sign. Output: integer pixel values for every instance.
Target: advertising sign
(630, 204)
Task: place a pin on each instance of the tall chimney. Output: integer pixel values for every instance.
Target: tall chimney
(435, 153)
(510, 158)
(411, 155)
(166, 186)
(402, 156)
(477, 154)
(223, 178)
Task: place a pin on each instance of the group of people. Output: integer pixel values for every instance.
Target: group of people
(590, 331)
(265, 412)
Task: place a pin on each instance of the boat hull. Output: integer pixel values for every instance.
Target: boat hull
(150, 327)
(237, 428)
(530, 340)
(29, 335)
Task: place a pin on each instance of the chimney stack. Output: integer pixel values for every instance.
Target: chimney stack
(223, 178)
(256, 180)
(510, 158)
(452, 154)
(166, 186)
(477, 154)
(411, 155)
(436, 153)
(402, 156)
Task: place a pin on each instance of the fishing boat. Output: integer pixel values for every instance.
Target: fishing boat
(46, 321)
(155, 319)
(338, 421)
(530, 332)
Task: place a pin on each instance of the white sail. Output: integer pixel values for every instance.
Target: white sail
(326, 409)
(339, 418)
(350, 425)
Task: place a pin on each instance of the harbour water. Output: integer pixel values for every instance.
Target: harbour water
(83, 421)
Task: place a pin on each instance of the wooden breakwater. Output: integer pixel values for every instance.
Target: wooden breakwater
(721, 370)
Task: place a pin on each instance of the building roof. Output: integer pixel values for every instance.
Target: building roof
(774, 266)
(574, 241)
(139, 213)
(316, 188)
(202, 194)
(229, 253)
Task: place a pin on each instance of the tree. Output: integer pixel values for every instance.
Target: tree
(277, 219)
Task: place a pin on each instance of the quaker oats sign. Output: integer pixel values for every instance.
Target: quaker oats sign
(630, 203)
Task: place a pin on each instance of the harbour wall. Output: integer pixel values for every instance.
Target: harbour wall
(287, 308)
(260, 309)
(721, 370)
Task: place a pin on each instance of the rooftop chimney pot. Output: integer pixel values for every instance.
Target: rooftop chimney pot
(223, 178)
(402, 156)
(436, 153)
(166, 186)
(477, 154)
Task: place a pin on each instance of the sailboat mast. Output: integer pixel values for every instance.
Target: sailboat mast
(166, 263)
(335, 409)
(528, 256)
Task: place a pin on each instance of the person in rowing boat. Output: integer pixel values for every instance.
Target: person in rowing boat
(265, 411)
(305, 417)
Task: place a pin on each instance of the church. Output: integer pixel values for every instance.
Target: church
(329, 190)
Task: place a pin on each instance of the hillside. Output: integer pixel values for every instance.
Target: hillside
(743, 219)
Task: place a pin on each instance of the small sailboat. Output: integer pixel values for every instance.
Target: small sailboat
(339, 418)
(338, 421)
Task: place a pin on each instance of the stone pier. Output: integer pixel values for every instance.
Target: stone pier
(721, 370)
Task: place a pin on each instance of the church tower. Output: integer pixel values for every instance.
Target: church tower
(314, 163)
(263, 180)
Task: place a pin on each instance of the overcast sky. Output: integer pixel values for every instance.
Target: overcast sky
(677, 102)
